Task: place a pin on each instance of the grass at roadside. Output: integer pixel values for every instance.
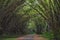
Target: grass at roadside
(8, 39)
(48, 35)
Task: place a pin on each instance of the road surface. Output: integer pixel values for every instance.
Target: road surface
(31, 37)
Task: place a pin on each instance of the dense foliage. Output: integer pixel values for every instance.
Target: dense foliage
(25, 16)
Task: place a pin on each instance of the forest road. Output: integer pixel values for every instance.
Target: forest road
(32, 37)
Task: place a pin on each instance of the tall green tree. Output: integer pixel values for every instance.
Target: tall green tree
(52, 8)
(7, 13)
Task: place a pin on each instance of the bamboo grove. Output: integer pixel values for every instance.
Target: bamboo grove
(15, 16)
